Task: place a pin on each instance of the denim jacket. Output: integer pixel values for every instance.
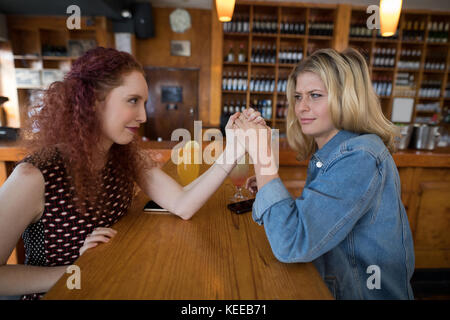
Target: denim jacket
(349, 220)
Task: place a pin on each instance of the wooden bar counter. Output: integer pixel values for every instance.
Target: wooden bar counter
(215, 255)
(425, 187)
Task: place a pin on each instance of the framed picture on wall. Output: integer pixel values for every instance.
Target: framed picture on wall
(180, 48)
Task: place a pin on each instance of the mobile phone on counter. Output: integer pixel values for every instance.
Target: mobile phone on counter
(241, 206)
(153, 206)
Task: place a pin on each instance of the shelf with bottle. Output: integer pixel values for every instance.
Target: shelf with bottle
(290, 53)
(321, 23)
(293, 23)
(435, 60)
(234, 81)
(263, 53)
(262, 82)
(431, 86)
(233, 56)
(264, 106)
(413, 28)
(447, 91)
(382, 84)
(427, 119)
(405, 84)
(229, 107)
(359, 30)
(265, 20)
(438, 29)
(281, 110)
(384, 57)
(410, 58)
(239, 25)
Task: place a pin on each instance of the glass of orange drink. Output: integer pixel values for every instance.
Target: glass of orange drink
(187, 167)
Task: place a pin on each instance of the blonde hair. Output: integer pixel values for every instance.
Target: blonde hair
(354, 106)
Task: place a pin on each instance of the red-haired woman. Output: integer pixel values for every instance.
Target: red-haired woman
(79, 176)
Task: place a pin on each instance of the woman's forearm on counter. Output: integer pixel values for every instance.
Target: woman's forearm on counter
(23, 279)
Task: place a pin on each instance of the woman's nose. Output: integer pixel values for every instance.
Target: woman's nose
(303, 106)
(142, 116)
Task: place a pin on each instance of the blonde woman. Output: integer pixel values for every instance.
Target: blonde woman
(349, 220)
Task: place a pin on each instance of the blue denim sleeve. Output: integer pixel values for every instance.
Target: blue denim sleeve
(302, 229)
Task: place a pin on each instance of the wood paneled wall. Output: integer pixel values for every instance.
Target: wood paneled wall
(155, 52)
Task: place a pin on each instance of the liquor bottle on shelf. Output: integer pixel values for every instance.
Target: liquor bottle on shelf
(230, 81)
(265, 24)
(225, 109)
(230, 56)
(273, 54)
(239, 24)
(241, 54)
(358, 29)
(260, 83)
(279, 110)
(421, 34)
(236, 81)
(321, 27)
(430, 89)
(239, 82)
(447, 90)
(237, 106)
(290, 55)
(282, 109)
(438, 31)
(382, 86)
(407, 31)
(263, 106)
(281, 85)
(435, 61)
(255, 53)
(384, 57)
(405, 84)
(281, 56)
(234, 85)
(244, 82)
(409, 59)
(263, 55)
(224, 81)
(292, 27)
(231, 107)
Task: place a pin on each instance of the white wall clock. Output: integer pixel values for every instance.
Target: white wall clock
(180, 20)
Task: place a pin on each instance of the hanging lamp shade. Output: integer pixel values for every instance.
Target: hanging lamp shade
(225, 9)
(389, 16)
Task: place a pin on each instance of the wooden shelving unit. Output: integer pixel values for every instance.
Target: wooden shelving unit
(40, 44)
(368, 43)
(303, 41)
(413, 23)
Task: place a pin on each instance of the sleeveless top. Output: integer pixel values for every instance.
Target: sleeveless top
(56, 238)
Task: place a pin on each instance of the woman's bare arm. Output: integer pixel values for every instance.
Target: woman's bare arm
(21, 203)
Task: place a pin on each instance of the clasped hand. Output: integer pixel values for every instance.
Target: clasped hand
(248, 128)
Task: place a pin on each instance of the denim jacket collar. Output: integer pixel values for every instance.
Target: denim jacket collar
(326, 152)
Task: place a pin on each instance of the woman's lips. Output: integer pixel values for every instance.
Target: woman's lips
(134, 130)
(306, 120)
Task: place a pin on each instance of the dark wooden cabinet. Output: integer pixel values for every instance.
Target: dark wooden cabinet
(426, 194)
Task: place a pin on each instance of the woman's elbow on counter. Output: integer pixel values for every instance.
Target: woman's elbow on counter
(289, 252)
(290, 258)
(184, 214)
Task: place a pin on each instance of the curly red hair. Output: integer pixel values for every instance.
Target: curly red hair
(68, 122)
